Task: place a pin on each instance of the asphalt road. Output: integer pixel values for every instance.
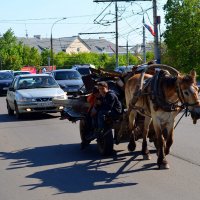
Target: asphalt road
(40, 159)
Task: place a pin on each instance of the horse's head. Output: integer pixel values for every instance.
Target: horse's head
(188, 94)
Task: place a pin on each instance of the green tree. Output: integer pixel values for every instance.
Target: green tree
(14, 54)
(31, 56)
(182, 35)
(45, 57)
(9, 49)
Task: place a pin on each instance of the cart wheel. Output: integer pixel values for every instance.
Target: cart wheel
(84, 128)
(105, 143)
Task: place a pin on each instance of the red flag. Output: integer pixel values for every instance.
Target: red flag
(150, 29)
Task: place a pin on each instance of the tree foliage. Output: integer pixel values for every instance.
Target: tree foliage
(14, 55)
(9, 56)
(182, 35)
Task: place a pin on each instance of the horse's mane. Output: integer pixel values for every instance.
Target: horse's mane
(169, 80)
(188, 79)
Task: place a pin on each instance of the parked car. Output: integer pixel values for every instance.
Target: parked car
(6, 78)
(124, 69)
(16, 73)
(83, 69)
(69, 80)
(33, 93)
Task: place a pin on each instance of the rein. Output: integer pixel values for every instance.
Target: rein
(185, 113)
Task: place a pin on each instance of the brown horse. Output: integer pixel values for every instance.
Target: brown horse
(162, 97)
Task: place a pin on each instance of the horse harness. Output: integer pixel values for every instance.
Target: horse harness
(157, 95)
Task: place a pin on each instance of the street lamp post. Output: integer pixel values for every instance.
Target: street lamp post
(52, 60)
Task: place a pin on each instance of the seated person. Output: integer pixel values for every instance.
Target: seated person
(45, 82)
(93, 100)
(110, 104)
(24, 85)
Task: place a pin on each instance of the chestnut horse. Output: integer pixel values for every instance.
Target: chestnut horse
(162, 97)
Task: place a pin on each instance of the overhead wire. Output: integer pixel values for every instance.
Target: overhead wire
(124, 15)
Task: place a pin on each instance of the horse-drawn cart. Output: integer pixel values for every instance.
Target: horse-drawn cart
(153, 100)
(115, 130)
(76, 109)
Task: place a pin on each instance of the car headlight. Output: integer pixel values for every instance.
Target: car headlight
(20, 98)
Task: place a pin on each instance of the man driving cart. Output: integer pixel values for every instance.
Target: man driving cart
(110, 105)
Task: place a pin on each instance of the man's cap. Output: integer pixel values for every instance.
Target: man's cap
(102, 84)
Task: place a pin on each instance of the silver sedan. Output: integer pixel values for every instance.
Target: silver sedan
(33, 93)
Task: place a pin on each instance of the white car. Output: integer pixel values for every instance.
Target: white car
(33, 93)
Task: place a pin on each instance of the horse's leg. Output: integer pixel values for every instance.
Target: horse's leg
(145, 150)
(170, 140)
(132, 143)
(161, 161)
(161, 134)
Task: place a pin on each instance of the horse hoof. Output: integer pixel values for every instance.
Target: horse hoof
(146, 157)
(164, 166)
(117, 141)
(131, 147)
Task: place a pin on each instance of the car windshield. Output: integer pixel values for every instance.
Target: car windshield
(67, 75)
(84, 71)
(124, 69)
(21, 72)
(6, 76)
(37, 82)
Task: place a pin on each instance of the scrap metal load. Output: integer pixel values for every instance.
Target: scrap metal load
(78, 102)
(116, 82)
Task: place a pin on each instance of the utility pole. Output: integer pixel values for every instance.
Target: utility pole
(127, 52)
(51, 40)
(155, 23)
(116, 23)
(116, 30)
(127, 56)
(144, 42)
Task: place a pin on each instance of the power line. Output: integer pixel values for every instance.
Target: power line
(96, 33)
(41, 19)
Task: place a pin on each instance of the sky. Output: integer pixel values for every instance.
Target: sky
(39, 17)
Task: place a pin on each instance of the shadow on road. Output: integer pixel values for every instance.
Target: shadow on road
(82, 171)
(27, 117)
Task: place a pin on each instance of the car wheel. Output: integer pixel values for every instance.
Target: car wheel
(18, 115)
(10, 111)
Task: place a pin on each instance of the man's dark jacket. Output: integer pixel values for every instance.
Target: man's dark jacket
(111, 102)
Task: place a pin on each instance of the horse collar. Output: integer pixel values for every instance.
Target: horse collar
(158, 96)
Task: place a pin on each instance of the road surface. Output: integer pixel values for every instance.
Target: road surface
(40, 159)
